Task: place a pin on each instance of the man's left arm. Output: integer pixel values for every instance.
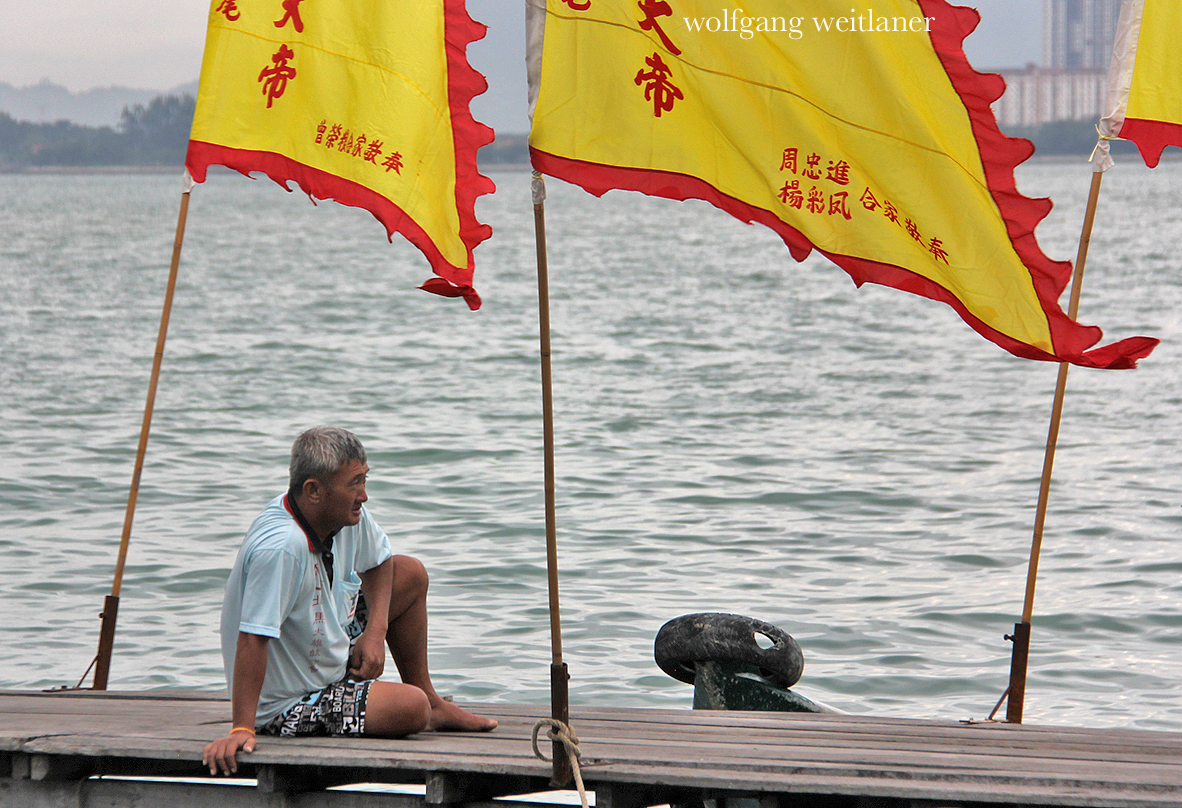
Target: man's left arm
(368, 658)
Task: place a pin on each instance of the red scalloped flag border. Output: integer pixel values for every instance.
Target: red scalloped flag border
(1151, 137)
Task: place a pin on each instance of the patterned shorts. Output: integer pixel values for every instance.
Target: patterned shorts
(338, 709)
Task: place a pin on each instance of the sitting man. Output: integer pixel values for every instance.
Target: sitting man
(312, 600)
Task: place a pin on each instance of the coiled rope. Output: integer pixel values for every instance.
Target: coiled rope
(564, 734)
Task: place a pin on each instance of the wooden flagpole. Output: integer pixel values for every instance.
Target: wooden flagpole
(1016, 694)
(102, 660)
(559, 676)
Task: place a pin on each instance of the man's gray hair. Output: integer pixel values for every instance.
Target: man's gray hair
(320, 452)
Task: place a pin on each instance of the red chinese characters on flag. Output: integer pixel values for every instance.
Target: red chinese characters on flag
(291, 9)
(788, 160)
(813, 172)
(837, 202)
(936, 248)
(657, 87)
(393, 163)
(338, 138)
(275, 77)
(816, 202)
(839, 172)
(653, 9)
(791, 195)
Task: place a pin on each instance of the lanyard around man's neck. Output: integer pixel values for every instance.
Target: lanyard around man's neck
(315, 544)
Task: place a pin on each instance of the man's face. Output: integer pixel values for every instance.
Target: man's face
(343, 494)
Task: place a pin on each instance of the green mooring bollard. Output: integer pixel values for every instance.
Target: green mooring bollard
(739, 686)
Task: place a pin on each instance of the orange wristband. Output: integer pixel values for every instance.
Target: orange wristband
(242, 729)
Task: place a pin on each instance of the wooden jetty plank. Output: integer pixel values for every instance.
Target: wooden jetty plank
(793, 743)
(791, 730)
(1164, 776)
(745, 743)
(868, 724)
(752, 756)
(629, 755)
(871, 725)
(141, 724)
(790, 742)
(674, 773)
(861, 729)
(915, 759)
(678, 722)
(963, 738)
(941, 792)
(111, 793)
(1020, 747)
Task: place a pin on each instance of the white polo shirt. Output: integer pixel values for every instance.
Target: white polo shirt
(278, 589)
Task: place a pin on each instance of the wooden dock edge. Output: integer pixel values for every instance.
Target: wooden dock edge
(65, 781)
(143, 751)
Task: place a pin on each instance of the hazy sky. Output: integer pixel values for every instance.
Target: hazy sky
(157, 44)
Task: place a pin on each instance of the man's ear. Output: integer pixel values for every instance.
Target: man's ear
(313, 489)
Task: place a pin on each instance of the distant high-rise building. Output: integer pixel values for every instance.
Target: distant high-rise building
(1078, 34)
(1077, 39)
(1035, 96)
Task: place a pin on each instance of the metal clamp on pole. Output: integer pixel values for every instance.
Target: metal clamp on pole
(562, 773)
(1017, 689)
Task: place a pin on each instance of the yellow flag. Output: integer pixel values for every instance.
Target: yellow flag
(360, 101)
(860, 132)
(1144, 99)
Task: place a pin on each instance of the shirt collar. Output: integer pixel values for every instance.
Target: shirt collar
(315, 544)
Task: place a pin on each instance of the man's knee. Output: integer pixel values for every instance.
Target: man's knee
(409, 575)
(396, 709)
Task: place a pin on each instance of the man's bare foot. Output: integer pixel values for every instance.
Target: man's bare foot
(448, 717)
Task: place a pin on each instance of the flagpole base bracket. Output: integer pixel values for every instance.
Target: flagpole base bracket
(562, 775)
(1018, 661)
(106, 641)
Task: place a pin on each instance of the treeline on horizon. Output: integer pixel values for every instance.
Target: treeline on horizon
(158, 134)
(146, 136)
(152, 135)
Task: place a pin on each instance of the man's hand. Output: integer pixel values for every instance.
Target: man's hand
(250, 668)
(367, 659)
(223, 753)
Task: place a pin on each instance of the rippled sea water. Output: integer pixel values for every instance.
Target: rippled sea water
(735, 432)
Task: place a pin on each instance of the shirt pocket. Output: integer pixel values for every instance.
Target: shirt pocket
(345, 592)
